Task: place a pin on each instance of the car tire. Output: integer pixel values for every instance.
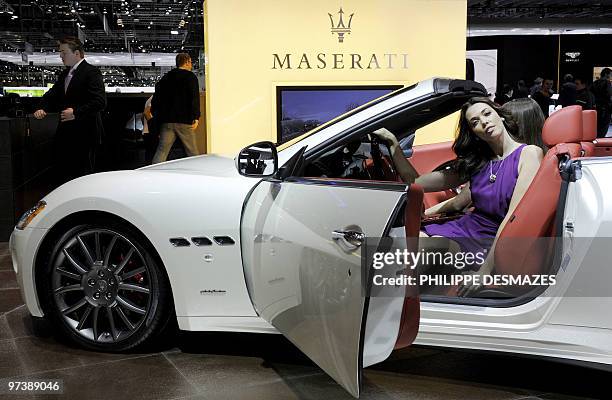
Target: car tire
(104, 289)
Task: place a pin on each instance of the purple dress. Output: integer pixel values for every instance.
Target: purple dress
(476, 231)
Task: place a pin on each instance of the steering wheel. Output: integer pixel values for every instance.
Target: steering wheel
(382, 167)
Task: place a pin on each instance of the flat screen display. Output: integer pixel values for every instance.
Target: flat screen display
(302, 108)
(26, 92)
(597, 72)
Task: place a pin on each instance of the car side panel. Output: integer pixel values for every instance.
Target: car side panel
(164, 205)
(588, 298)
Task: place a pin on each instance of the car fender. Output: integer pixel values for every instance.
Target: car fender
(165, 204)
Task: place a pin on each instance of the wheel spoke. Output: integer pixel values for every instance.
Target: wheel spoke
(98, 250)
(84, 317)
(75, 307)
(85, 250)
(95, 323)
(68, 288)
(68, 274)
(82, 270)
(130, 306)
(132, 273)
(125, 319)
(124, 261)
(111, 323)
(109, 249)
(134, 288)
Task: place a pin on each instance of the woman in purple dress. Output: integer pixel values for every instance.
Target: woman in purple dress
(495, 168)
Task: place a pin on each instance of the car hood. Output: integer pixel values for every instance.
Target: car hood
(209, 164)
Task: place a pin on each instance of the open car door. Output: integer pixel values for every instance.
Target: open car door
(302, 243)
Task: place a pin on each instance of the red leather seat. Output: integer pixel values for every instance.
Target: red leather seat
(589, 132)
(603, 147)
(425, 158)
(516, 252)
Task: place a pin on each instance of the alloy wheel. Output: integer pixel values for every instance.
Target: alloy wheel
(102, 286)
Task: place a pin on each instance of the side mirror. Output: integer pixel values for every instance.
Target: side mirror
(257, 160)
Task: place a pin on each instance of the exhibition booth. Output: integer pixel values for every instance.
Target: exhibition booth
(359, 192)
(280, 65)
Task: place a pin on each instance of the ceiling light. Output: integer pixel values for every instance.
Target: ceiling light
(174, 32)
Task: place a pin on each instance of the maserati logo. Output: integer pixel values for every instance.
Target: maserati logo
(340, 29)
(573, 54)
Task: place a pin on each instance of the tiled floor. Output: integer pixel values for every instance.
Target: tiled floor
(241, 366)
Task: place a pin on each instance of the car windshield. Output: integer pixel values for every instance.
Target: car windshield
(343, 116)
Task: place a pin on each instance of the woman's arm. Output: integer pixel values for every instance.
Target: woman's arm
(431, 182)
(454, 204)
(529, 163)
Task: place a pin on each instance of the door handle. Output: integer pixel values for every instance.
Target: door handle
(348, 240)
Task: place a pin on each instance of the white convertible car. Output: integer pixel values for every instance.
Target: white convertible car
(271, 242)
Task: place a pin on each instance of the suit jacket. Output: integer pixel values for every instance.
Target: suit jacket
(86, 96)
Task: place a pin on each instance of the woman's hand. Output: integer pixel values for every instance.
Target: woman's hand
(386, 136)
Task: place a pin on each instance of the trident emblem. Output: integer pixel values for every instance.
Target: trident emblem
(340, 29)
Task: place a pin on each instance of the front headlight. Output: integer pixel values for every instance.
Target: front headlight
(29, 215)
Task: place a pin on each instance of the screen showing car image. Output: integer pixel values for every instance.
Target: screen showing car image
(300, 109)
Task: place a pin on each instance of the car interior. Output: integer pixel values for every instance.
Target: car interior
(568, 133)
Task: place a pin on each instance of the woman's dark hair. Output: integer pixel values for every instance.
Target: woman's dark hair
(530, 120)
(472, 152)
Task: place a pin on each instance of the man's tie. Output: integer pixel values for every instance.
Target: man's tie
(67, 80)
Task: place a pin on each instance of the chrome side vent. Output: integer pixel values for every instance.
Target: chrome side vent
(179, 242)
(223, 240)
(201, 241)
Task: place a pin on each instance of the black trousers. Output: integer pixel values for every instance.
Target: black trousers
(74, 153)
(603, 121)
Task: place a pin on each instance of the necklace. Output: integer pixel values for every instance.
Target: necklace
(493, 176)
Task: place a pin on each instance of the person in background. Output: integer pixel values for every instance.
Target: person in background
(584, 97)
(505, 96)
(543, 97)
(567, 93)
(537, 86)
(150, 131)
(602, 90)
(79, 96)
(530, 120)
(176, 107)
(522, 91)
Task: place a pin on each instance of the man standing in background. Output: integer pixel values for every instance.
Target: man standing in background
(567, 93)
(176, 108)
(584, 97)
(79, 96)
(602, 89)
(543, 96)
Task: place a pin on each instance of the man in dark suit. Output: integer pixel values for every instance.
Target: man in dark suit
(602, 90)
(79, 96)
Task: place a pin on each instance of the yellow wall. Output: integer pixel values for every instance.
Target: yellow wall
(241, 37)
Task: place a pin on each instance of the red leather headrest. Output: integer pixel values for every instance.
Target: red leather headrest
(589, 125)
(563, 126)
